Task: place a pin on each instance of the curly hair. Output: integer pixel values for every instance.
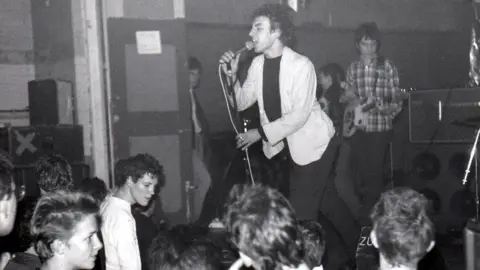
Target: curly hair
(402, 226)
(6, 177)
(169, 250)
(55, 217)
(136, 167)
(264, 227)
(314, 240)
(280, 17)
(54, 173)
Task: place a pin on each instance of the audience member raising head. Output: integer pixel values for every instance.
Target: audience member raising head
(54, 173)
(8, 196)
(402, 230)
(314, 240)
(64, 226)
(264, 229)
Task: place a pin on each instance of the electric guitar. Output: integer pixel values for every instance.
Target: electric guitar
(358, 109)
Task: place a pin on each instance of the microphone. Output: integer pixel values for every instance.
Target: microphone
(247, 47)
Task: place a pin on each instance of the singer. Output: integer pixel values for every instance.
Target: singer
(283, 83)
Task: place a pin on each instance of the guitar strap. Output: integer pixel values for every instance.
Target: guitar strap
(380, 66)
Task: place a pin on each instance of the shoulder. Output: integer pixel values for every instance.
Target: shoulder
(389, 64)
(297, 58)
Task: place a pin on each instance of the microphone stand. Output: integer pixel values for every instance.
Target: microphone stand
(473, 154)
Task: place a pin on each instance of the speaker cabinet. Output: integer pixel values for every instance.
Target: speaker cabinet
(444, 115)
(437, 170)
(51, 102)
(27, 144)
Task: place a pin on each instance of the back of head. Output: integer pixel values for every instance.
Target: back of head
(95, 187)
(280, 17)
(402, 227)
(264, 227)
(136, 167)
(169, 252)
(194, 64)
(314, 240)
(54, 173)
(56, 216)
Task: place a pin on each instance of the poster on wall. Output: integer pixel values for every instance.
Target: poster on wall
(148, 42)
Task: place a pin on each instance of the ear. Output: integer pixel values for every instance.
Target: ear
(277, 32)
(373, 237)
(58, 247)
(432, 244)
(130, 181)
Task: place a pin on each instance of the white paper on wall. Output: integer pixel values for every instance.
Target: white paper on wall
(148, 42)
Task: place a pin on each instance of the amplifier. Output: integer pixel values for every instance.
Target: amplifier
(444, 115)
(51, 102)
(27, 144)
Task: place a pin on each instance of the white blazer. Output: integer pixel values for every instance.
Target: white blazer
(307, 128)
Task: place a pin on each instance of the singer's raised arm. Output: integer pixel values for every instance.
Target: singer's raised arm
(246, 94)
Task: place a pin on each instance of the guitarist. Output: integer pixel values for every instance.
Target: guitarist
(374, 80)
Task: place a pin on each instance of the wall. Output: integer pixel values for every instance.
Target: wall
(59, 45)
(16, 55)
(437, 15)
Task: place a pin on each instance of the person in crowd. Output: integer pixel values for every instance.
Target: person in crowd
(64, 229)
(54, 173)
(403, 231)
(8, 196)
(95, 187)
(168, 252)
(25, 257)
(314, 239)
(143, 216)
(284, 83)
(136, 179)
(264, 228)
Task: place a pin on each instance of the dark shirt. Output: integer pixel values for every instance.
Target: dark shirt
(272, 101)
(146, 231)
(271, 88)
(23, 261)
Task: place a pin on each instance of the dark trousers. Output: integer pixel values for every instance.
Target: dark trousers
(369, 150)
(308, 183)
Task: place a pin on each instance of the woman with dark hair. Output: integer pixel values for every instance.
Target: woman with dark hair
(330, 78)
(64, 226)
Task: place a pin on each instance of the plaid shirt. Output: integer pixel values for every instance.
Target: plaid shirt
(361, 79)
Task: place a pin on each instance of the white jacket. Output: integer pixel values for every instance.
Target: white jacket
(307, 128)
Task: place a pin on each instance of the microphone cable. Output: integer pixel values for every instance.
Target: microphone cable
(225, 95)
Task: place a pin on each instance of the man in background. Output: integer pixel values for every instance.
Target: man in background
(201, 148)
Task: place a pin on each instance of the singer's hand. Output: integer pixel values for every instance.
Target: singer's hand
(229, 57)
(244, 140)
